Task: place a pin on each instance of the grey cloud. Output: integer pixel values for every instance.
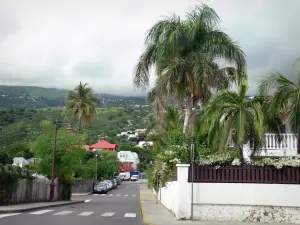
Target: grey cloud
(86, 43)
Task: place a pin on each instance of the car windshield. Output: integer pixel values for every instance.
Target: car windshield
(101, 184)
(107, 181)
(135, 176)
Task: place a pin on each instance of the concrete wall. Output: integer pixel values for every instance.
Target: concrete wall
(82, 186)
(232, 201)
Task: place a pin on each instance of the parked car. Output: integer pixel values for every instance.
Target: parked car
(134, 178)
(111, 185)
(106, 186)
(119, 180)
(125, 175)
(114, 181)
(100, 188)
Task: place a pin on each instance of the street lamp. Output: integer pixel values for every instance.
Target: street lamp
(96, 168)
(192, 175)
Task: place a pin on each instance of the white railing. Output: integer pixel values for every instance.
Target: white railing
(286, 145)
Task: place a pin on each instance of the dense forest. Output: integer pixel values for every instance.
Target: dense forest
(38, 97)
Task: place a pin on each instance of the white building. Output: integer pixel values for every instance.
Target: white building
(130, 157)
(145, 144)
(20, 161)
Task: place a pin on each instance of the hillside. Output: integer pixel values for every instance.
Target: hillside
(38, 97)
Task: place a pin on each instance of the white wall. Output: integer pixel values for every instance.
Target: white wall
(232, 201)
(169, 196)
(247, 194)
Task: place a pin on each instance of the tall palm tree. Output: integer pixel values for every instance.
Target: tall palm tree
(81, 104)
(183, 54)
(285, 99)
(233, 117)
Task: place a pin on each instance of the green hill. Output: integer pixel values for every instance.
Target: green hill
(38, 97)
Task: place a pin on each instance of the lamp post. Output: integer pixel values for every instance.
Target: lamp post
(192, 175)
(96, 172)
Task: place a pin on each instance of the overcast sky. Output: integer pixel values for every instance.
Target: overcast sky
(57, 43)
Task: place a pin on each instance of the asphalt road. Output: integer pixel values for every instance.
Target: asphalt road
(120, 206)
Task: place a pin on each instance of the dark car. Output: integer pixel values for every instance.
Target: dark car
(119, 180)
(100, 188)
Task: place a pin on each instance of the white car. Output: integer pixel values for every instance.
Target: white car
(134, 177)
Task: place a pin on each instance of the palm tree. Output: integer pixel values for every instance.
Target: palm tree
(232, 117)
(183, 54)
(285, 99)
(81, 104)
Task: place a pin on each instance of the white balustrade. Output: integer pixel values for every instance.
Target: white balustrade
(284, 145)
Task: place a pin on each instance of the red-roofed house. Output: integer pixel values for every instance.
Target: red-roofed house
(103, 145)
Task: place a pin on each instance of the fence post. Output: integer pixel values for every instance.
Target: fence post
(183, 203)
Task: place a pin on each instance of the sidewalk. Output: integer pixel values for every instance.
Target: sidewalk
(81, 194)
(155, 214)
(34, 206)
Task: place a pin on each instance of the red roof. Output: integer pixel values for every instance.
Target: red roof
(103, 144)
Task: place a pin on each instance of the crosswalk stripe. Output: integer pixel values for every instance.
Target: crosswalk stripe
(108, 214)
(9, 214)
(88, 200)
(133, 195)
(42, 211)
(62, 213)
(125, 195)
(130, 215)
(85, 213)
(111, 195)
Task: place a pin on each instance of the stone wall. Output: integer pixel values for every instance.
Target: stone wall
(246, 213)
(82, 186)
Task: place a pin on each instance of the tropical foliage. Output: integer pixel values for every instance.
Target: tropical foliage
(285, 99)
(183, 53)
(81, 104)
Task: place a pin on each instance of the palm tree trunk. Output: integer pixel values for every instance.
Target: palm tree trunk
(188, 112)
(242, 160)
(79, 125)
(298, 141)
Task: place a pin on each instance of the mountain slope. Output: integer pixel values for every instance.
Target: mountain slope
(38, 97)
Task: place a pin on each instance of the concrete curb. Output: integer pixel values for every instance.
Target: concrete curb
(38, 207)
(81, 194)
(142, 210)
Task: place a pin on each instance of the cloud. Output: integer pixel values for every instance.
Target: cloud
(59, 43)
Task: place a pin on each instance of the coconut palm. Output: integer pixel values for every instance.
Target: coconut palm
(183, 53)
(235, 118)
(81, 104)
(285, 99)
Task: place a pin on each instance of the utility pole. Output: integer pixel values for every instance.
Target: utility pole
(96, 168)
(52, 185)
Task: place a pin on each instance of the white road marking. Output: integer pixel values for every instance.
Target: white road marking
(108, 214)
(95, 194)
(125, 195)
(103, 194)
(42, 211)
(111, 195)
(62, 213)
(9, 214)
(85, 214)
(130, 215)
(133, 195)
(118, 195)
(88, 200)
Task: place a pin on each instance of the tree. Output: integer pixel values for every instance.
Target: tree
(183, 54)
(232, 117)
(68, 152)
(4, 158)
(285, 99)
(81, 104)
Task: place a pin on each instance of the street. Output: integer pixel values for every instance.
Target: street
(119, 206)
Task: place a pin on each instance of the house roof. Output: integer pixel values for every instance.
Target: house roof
(103, 144)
